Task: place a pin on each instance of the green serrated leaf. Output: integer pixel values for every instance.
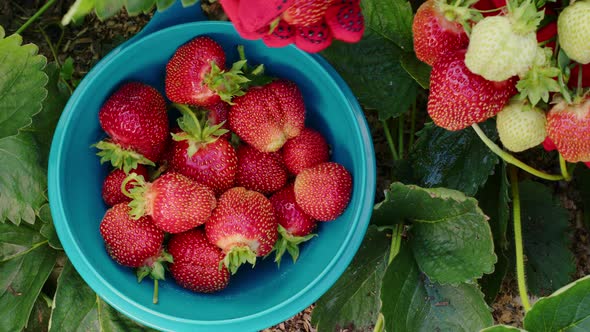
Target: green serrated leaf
(77, 11)
(502, 328)
(373, 70)
(411, 302)
(494, 200)
(44, 122)
(15, 241)
(21, 280)
(391, 19)
(22, 84)
(453, 159)
(354, 298)
(48, 228)
(187, 3)
(78, 308)
(135, 7)
(450, 235)
(22, 179)
(567, 310)
(550, 264)
(164, 4)
(107, 8)
(419, 70)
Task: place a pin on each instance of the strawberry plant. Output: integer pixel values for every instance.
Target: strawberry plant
(479, 111)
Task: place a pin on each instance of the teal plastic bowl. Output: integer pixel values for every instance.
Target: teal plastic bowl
(256, 298)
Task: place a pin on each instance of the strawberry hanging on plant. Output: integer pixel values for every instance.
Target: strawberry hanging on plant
(521, 126)
(196, 74)
(136, 120)
(573, 27)
(504, 46)
(568, 127)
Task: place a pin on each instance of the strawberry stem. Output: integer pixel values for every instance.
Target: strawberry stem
(155, 297)
(579, 90)
(400, 133)
(564, 170)
(396, 242)
(389, 140)
(520, 275)
(510, 159)
(35, 16)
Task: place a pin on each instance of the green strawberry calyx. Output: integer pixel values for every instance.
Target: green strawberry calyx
(539, 80)
(524, 16)
(139, 199)
(197, 132)
(239, 254)
(288, 242)
(119, 157)
(227, 84)
(460, 11)
(154, 267)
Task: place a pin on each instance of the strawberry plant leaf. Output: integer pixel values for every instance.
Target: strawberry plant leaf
(419, 70)
(494, 200)
(391, 19)
(373, 70)
(354, 301)
(107, 8)
(412, 302)
(550, 264)
(78, 308)
(45, 121)
(22, 84)
(568, 309)
(453, 159)
(450, 236)
(22, 274)
(502, 328)
(22, 179)
(48, 228)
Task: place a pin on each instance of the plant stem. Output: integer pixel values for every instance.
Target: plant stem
(412, 124)
(51, 47)
(379, 323)
(155, 298)
(396, 242)
(389, 140)
(520, 276)
(510, 159)
(579, 90)
(35, 16)
(563, 167)
(401, 136)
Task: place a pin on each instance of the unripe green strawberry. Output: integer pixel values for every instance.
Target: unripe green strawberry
(496, 52)
(521, 126)
(573, 27)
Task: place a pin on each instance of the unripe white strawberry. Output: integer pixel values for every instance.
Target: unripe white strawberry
(504, 46)
(573, 27)
(521, 126)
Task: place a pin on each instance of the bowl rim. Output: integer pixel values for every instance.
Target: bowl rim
(274, 314)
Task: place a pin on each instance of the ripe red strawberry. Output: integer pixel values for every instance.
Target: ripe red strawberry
(243, 225)
(200, 153)
(323, 191)
(306, 12)
(458, 98)
(196, 74)
(295, 226)
(264, 172)
(175, 202)
(568, 126)
(135, 243)
(258, 14)
(136, 121)
(111, 187)
(434, 34)
(196, 262)
(306, 150)
(267, 116)
(346, 21)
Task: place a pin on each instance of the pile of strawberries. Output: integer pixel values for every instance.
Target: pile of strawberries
(239, 177)
(309, 24)
(513, 60)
